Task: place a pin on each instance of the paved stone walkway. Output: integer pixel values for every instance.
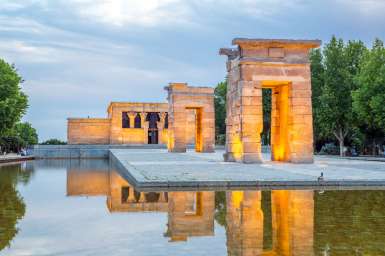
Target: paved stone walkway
(158, 168)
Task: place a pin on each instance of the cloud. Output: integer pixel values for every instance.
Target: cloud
(368, 8)
(134, 12)
(78, 55)
(154, 13)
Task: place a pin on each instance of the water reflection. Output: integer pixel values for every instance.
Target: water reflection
(12, 206)
(279, 222)
(190, 214)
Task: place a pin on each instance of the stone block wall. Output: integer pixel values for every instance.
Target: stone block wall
(88, 131)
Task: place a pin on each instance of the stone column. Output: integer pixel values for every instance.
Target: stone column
(251, 120)
(160, 125)
(208, 128)
(131, 195)
(162, 197)
(177, 130)
(132, 115)
(142, 198)
(300, 121)
(234, 146)
(144, 127)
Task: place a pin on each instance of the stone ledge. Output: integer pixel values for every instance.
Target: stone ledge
(158, 170)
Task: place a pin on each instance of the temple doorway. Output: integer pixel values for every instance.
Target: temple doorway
(195, 128)
(153, 133)
(153, 136)
(275, 98)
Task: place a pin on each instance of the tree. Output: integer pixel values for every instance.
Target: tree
(13, 102)
(369, 97)
(53, 142)
(220, 110)
(335, 102)
(266, 107)
(27, 133)
(12, 206)
(317, 83)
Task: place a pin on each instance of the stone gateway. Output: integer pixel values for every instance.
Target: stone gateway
(283, 66)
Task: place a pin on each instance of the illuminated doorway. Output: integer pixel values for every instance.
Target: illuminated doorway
(279, 118)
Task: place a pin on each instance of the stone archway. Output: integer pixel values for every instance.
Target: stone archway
(182, 98)
(283, 66)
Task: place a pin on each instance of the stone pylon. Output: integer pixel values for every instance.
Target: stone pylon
(282, 66)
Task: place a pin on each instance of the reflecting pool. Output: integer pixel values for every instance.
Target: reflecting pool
(85, 207)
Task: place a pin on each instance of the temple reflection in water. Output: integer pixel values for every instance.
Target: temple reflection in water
(192, 214)
(278, 222)
(189, 213)
(291, 229)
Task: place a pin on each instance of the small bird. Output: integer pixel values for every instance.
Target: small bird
(321, 178)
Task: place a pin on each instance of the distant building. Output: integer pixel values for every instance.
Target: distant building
(128, 123)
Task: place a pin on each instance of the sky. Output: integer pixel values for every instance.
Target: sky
(76, 56)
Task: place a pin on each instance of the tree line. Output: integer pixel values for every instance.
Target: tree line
(14, 134)
(348, 97)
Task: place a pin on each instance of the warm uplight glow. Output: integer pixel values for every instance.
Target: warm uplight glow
(237, 148)
(237, 197)
(270, 84)
(198, 131)
(170, 140)
(280, 128)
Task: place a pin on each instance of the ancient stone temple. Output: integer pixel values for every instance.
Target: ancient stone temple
(128, 123)
(282, 66)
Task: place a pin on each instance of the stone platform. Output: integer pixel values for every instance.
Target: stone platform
(148, 169)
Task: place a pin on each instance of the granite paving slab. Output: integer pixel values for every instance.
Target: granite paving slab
(147, 168)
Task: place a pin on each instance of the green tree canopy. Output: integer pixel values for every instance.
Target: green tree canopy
(334, 113)
(13, 102)
(27, 133)
(220, 108)
(317, 82)
(369, 97)
(53, 142)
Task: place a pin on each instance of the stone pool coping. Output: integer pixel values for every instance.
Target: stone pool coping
(156, 169)
(15, 158)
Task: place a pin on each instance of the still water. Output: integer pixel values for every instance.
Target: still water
(62, 207)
